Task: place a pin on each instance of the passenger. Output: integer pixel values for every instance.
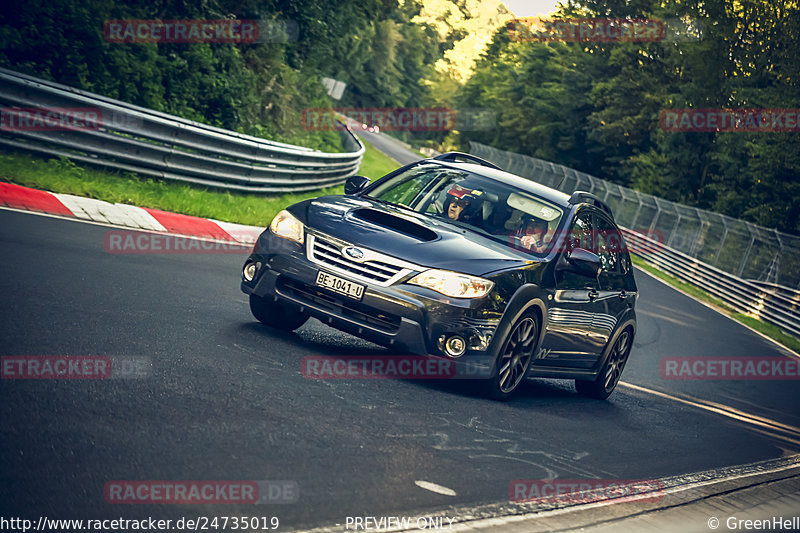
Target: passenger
(533, 236)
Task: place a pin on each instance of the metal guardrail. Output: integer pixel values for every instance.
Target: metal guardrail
(741, 295)
(767, 301)
(155, 144)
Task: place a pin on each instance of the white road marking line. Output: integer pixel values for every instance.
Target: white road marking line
(781, 431)
(433, 487)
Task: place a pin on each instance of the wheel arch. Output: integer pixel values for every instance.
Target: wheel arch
(629, 322)
(528, 297)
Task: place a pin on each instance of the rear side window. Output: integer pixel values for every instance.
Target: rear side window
(610, 247)
(581, 233)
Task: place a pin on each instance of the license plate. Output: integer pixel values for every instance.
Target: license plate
(340, 285)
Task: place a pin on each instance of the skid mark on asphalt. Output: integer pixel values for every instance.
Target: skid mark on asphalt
(484, 441)
(760, 424)
(342, 390)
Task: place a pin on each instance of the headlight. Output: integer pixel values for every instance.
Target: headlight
(453, 284)
(287, 226)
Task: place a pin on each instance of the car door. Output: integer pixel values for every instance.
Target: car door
(568, 340)
(612, 298)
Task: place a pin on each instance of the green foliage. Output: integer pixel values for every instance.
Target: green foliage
(376, 164)
(255, 88)
(595, 106)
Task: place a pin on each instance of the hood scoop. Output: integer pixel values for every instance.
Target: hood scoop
(395, 223)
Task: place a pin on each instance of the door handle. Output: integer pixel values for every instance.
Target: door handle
(593, 294)
(623, 295)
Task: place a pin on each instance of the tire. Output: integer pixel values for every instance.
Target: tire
(276, 315)
(514, 358)
(602, 387)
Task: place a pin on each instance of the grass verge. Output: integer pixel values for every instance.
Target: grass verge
(375, 163)
(771, 331)
(64, 176)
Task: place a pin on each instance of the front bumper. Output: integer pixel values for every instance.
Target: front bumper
(401, 316)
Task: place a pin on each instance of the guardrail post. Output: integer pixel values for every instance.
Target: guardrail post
(638, 209)
(696, 240)
(674, 229)
(747, 253)
(725, 231)
(655, 218)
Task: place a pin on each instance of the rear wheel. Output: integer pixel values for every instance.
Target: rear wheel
(276, 315)
(609, 375)
(514, 358)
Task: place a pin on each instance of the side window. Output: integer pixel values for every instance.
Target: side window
(609, 245)
(581, 233)
(405, 192)
(406, 189)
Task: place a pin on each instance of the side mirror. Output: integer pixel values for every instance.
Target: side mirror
(355, 184)
(583, 262)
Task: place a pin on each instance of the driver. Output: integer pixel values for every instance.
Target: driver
(458, 201)
(457, 207)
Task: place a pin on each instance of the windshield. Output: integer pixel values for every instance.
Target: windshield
(496, 210)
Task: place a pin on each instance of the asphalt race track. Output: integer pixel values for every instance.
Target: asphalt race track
(386, 144)
(225, 398)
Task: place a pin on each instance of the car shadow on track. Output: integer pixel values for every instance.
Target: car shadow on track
(332, 344)
(532, 391)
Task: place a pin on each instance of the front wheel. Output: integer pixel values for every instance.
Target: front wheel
(275, 315)
(609, 375)
(514, 358)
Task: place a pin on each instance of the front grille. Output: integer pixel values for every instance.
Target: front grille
(327, 253)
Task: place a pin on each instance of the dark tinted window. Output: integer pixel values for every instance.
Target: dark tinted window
(609, 245)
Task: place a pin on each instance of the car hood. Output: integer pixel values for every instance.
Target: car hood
(421, 239)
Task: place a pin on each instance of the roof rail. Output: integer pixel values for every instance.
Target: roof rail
(455, 156)
(583, 197)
